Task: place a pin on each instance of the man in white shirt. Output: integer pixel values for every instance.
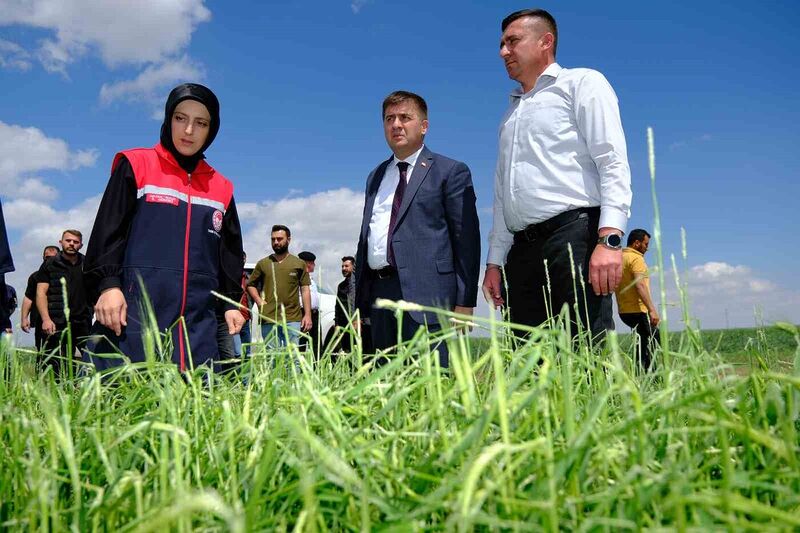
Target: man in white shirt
(562, 181)
(311, 264)
(420, 237)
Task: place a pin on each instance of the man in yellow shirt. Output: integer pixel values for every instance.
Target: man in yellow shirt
(636, 307)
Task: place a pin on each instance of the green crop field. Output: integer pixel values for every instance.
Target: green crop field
(526, 435)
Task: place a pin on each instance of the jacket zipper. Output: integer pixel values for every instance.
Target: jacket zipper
(185, 270)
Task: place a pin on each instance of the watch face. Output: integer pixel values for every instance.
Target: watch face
(614, 240)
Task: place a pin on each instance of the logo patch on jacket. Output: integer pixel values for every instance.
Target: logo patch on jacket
(160, 199)
(216, 218)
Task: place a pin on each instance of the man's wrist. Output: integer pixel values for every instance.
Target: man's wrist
(602, 232)
(492, 266)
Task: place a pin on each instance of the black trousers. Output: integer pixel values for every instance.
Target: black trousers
(56, 350)
(528, 298)
(345, 343)
(39, 337)
(383, 324)
(314, 334)
(649, 337)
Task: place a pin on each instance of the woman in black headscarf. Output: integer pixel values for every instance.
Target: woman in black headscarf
(166, 234)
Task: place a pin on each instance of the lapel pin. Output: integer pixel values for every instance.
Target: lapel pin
(424, 164)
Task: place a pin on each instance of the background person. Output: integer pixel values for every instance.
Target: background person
(6, 265)
(345, 303)
(8, 300)
(419, 237)
(29, 315)
(311, 263)
(282, 278)
(562, 180)
(68, 265)
(168, 218)
(636, 307)
(244, 338)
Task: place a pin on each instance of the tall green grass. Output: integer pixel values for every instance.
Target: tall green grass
(533, 435)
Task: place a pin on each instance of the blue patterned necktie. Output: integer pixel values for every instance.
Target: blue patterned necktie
(398, 200)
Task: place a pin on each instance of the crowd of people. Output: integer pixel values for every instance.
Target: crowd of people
(167, 237)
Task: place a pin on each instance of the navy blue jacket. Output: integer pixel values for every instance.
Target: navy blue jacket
(436, 240)
(176, 236)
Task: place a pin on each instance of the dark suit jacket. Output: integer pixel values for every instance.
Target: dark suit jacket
(436, 241)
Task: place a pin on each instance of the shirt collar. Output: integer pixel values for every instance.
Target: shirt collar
(411, 160)
(633, 250)
(552, 71)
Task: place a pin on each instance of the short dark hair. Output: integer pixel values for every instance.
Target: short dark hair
(398, 97)
(75, 232)
(349, 258)
(540, 14)
(637, 235)
(49, 247)
(281, 227)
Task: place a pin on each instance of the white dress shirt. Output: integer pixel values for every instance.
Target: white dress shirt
(314, 294)
(382, 211)
(561, 147)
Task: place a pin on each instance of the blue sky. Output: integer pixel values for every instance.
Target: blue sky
(301, 84)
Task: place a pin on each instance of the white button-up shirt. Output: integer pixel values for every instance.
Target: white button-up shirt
(314, 292)
(382, 211)
(561, 147)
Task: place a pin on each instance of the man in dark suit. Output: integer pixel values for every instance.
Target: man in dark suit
(6, 265)
(420, 238)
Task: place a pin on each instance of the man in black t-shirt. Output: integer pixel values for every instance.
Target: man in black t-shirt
(29, 316)
(67, 265)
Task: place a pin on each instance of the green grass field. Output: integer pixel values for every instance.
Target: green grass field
(542, 435)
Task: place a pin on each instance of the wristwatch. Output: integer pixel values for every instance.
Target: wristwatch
(611, 241)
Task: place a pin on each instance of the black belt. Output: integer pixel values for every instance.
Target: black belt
(546, 228)
(384, 273)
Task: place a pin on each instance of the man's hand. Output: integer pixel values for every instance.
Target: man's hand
(654, 318)
(234, 320)
(605, 269)
(48, 326)
(111, 310)
(25, 324)
(9, 331)
(306, 323)
(463, 311)
(492, 285)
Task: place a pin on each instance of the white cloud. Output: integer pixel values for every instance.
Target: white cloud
(714, 277)
(24, 151)
(35, 188)
(126, 32)
(13, 56)
(357, 5)
(682, 143)
(723, 295)
(149, 85)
